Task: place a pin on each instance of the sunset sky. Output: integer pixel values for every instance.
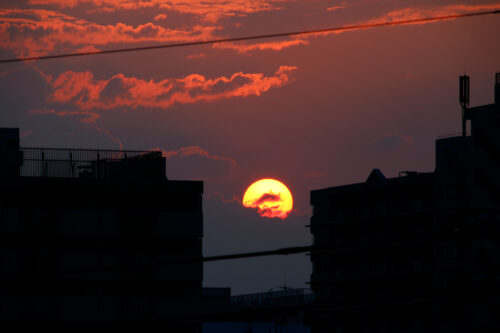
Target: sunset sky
(311, 111)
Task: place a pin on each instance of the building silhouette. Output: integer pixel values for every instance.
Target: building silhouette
(419, 252)
(66, 212)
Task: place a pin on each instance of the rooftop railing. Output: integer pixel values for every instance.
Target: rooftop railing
(84, 163)
(451, 135)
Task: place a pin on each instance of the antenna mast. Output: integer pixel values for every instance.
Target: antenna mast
(464, 99)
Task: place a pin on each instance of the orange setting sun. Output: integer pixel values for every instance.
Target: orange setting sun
(271, 197)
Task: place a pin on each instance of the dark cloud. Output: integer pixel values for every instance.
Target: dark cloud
(268, 211)
(267, 197)
(392, 141)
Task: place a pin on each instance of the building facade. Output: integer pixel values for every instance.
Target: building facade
(80, 231)
(419, 252)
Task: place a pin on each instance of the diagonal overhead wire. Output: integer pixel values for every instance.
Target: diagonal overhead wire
(282, 251)
(256, 37)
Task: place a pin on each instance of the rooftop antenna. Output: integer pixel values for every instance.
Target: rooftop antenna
(464, 99)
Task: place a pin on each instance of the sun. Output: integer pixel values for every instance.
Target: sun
(271, 197)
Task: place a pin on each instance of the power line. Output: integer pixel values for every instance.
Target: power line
(282, 251)
(255, 37)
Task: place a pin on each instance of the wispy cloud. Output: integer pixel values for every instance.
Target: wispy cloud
(412, 13)
(243, 48)
(210, 11)
(391, 141)
(195, 150)
(340, 5)
(87, 118)
(409, 13)
(194, 162)
(196, 56)
(160, 17)
(35, 32)
(32, 32)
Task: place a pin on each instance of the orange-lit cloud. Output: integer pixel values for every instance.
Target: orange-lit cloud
(331, 9)
(160, 17)
(341, 5)
(35, 32)
(86, 92)
(410, 13)
(419, 13)
(31, 32)
(274, 46)
(414, 13)
(210, 11)
(196, 56)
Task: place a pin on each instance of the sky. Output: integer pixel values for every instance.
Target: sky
(311, 111)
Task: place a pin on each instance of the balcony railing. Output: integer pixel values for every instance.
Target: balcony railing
(86, 163)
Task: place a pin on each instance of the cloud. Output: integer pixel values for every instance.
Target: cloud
(194, 162)
(243, 48)
(266, 197)
(271, 211)
(391, 141)
(331, 9)
(413, 13)
(33, 32)
(160, 17)
(196, 56)
(341, 5)
(210, 11)
(409, 13)
(87, 118)
(86, 92)
(87, 48)
(195, 150)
